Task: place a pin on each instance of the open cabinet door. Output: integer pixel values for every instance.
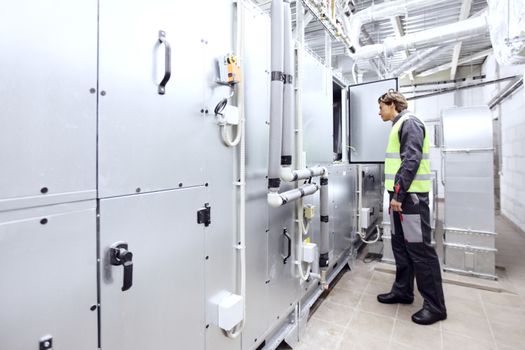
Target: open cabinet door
(368, 132)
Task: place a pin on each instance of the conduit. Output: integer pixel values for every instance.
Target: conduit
(288, 90)
(439, 36)
(382, 11)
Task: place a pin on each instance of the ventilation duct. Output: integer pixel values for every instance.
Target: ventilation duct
(507, 30)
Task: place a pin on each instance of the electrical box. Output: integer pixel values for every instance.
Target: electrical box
(309, 252)
(230, 311)
(309, 211)
(229, 70)
(365, 218)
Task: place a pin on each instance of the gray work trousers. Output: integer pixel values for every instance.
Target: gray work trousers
(414, 253)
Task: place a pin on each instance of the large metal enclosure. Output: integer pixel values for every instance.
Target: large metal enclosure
(469, 196)
(121, 203)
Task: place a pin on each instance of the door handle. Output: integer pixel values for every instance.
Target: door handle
(167, 62)
(289, 251)
(121, 256)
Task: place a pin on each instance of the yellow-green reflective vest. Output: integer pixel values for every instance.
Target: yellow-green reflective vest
(422, 181)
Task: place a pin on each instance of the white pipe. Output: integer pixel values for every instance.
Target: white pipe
(439, 36)
(288, 92)
(290, 175)
(383, 11)
(276, 199)
(414, 61)
(276, 102)
(241, 247)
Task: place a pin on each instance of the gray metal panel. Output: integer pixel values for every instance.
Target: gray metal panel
(368, 132)
(283, 285)
(49, 277)
(165, 307)
(140, 131)
(372, 190)
(48, 115)
(467, 127)
(257, 99)
(342, 181)
(317, 111)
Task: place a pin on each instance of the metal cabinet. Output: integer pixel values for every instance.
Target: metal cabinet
(141, 128)
(163, 305)
(48, 107)
(49, 277)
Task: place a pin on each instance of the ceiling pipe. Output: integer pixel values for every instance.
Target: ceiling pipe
(385, 10)
(414, 61)
(439, 36)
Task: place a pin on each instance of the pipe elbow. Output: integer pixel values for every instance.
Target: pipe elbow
(287, 174)
(274, 200)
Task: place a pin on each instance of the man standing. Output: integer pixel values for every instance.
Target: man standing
(408, 181)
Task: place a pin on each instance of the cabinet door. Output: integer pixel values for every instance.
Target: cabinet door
(48, 277)
(48, 68)
(150, 141)
(164, 306)
(368, 132)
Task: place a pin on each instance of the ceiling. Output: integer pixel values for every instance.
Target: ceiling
(418, 20)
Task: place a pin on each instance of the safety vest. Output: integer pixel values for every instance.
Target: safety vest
(422, 181)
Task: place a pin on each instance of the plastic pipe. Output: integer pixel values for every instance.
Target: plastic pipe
(288, 90)
(278, 199)
(276, 95)
(293, 175)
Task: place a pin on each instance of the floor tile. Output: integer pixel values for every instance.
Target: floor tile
(502, 299)
(354, 340)
(322, 335)
(456, 341)
(509, 334)
(371, 324)
(334, 313)
(409, 333)
(369, 303)
(344, 297)
(468, 325)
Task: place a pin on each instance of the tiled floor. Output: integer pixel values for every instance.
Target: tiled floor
(351, 318)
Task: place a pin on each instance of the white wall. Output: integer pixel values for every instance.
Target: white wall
(512, 121)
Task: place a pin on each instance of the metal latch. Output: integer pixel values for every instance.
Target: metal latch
(46, 343)
(204, 215)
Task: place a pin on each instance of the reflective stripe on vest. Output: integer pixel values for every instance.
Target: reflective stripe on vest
(422, 180)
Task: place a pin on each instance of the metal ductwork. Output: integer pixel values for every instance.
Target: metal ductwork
(415, 61)
(382, 11)
(439, 36)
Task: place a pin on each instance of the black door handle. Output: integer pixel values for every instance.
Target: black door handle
(167, 62)
(120, 255)
(289, 253)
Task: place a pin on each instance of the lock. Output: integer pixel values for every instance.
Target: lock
(119, 255)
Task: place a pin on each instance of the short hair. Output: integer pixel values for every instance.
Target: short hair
(396, 98)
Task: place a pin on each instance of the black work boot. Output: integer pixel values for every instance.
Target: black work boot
(427, 317)
(391, 298)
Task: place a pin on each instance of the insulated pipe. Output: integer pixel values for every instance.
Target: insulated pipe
(414, 61)
(276, 101)
(288, 98)
(278, 199)
(439, 36)
(293, 175)
(383, 11)
(324, 246)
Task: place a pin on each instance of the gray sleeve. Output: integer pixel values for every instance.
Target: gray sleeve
(411, 135)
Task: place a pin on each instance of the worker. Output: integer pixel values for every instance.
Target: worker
(408, 181)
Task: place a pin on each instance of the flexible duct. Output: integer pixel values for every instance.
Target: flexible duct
(439, 36)
(276, 95)
(382, 11)
(415, 61)
(288, 98)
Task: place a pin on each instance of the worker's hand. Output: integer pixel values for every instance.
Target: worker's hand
(395, 205)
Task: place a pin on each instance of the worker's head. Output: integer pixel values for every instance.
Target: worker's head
(391, 104)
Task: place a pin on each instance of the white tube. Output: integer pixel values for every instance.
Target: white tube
(241, 247)
(439, 36)
(288, 92)
(276, 102)
(414, 61)
(383, 11)
(301, 174)
(278, 199)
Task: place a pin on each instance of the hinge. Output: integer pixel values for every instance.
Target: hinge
(204, 215)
